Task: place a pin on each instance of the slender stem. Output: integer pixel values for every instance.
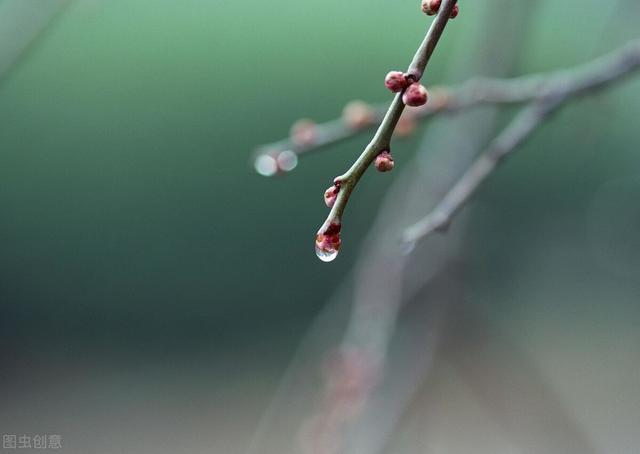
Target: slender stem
(428, 45)
(550, 96)
(382, 138)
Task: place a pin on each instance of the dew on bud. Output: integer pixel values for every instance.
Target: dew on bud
(287, 160)
(326, 254)
(326, 249)
(328, 242)
(266, 165)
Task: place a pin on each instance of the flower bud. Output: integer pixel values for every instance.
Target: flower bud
(415, 95)
(384, 162)
(396, 81)
(430, 7)
(331, 194)
(454, 12)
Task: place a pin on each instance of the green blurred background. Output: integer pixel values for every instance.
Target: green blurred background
(146, 269)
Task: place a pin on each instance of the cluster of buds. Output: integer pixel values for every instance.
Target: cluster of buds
(414, 95)
(431, 7)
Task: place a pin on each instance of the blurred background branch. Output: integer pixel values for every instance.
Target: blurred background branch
(22, 23)
(547, 95)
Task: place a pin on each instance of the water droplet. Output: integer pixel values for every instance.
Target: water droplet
(326, 253)
(266, 165)
(328, 243)
(287, 161)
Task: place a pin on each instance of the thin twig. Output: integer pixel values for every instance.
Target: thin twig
(382, 137)
(550, 96)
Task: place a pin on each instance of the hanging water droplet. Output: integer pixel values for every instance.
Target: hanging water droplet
(325, 250)
(266, 165)
(328, 242)
(287, 160)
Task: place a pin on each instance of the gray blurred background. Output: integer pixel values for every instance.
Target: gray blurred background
(154, 290)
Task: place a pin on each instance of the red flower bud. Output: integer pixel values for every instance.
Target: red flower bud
(415, 95)
(454, 12)
(396, 81)
(331, 194)
(384, 162)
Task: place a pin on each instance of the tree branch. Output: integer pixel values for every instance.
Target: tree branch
(382, 138)
(472, 93)
(547, 96)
